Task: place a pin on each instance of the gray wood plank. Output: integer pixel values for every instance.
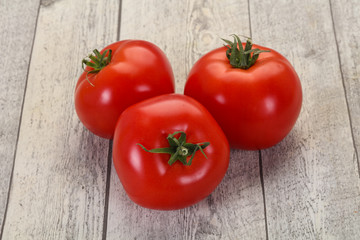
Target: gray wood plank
(235, 210)
(346, 17)
(17, 27)
(59, 180)
(312, 186)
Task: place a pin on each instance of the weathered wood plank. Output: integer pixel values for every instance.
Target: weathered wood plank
(16, 40)
(235, 210)
(59, 180)
(312, 186)
(346, 16)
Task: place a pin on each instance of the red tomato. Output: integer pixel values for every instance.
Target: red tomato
(256, 107)
(148, 178)
(136, 71)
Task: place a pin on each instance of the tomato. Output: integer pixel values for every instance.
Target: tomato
(153, 178)
(256, 105)
(132, 71)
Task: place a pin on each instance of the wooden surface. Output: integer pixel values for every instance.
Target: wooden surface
(57, 180)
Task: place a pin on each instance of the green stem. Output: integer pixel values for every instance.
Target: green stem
(240, 57)
(179, 149)
(97, 62)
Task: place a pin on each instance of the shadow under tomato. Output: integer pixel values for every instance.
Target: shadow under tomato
(238, 202)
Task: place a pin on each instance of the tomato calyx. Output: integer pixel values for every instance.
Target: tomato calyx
(240, 57)
(179, 149)
(98, 62)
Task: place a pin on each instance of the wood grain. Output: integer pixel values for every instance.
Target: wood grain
(59, 181)
(16, 40)
(347, 29)
(312, 187)
(235, 208)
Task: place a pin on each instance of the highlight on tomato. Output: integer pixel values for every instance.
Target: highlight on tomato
(253, 92)
(169, 152)
(123, 73)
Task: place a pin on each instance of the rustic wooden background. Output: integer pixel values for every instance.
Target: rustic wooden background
(57, 180)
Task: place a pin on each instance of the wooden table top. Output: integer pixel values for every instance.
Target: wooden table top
(57, 179)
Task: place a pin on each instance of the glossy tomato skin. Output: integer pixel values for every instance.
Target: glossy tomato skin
(256, 107)
(147, 177)
(138, 70)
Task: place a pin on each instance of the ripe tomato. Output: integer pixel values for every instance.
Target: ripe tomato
(132, 71)
(256, 106)
(154, 179)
